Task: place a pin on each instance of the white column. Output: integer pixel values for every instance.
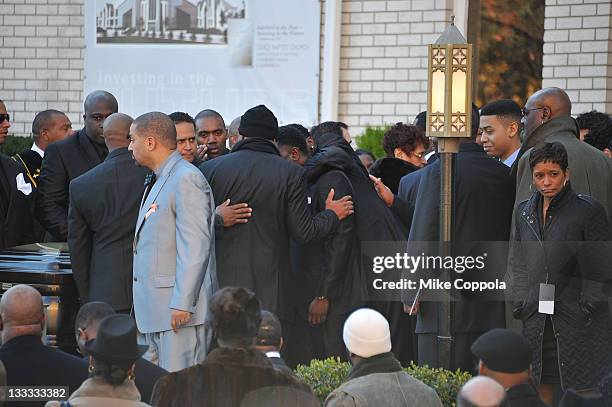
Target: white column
(331, 60)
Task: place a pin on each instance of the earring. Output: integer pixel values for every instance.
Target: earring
(90, 368)
(131, 376)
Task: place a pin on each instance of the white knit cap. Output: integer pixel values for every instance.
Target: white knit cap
(366, 333)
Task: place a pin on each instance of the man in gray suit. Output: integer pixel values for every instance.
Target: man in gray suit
(104, 204)
(174, 248)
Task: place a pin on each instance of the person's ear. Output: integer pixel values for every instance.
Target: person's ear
(294, 154)
(82, 334)
(514, 129)
(398, 153)
(151, 143)
(546, 113)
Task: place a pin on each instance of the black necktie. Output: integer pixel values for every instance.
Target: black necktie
(149, 182)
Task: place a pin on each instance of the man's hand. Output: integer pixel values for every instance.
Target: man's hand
(179, 318)
(343, 207)
(233, 214)
(201, 151)
(383, 191)
(317, 312)
(415, 310)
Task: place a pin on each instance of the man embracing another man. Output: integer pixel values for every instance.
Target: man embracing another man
(174, 248)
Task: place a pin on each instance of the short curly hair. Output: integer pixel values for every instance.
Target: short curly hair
(405, 137)
(599, 126)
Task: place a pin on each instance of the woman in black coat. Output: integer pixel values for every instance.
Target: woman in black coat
(405, 146)
(562, 240)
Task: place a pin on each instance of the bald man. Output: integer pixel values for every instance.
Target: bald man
(482, 391)
(104, 205)
(27, 361)
(69, 158)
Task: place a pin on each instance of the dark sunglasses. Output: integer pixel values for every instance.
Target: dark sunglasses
(525, 112)
(4, 117)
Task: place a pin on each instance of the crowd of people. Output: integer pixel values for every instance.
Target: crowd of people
(211, 260)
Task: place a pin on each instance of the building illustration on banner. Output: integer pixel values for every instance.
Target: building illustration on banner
(166, 21)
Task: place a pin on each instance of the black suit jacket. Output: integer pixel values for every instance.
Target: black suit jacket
(104, 204)
(63, 162)
(16, 219)
(30, 363)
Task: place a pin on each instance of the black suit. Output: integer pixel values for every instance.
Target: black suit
(484, 197)
(255, 255)
(104, 204)
(15, 215)
(30, 363)
(63, 162)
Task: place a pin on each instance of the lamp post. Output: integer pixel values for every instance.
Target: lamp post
(449, 118)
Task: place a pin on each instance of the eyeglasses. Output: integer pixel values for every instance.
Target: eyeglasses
(418, 155)
(4, 117)
(525, 112)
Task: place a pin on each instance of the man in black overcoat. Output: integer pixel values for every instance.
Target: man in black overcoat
(255, 255)
(483, 202)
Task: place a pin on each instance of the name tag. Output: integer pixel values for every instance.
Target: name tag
(546, 303)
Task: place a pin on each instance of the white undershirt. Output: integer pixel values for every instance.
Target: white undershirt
(40, 152)
(273, 354)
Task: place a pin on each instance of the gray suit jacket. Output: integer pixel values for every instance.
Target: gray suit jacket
(104, 205)
(174, 248)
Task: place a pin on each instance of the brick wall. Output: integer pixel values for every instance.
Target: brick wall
(578, 52)
(383, 65)
(41, 59)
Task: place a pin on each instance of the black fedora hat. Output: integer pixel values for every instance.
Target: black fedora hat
(116, 340)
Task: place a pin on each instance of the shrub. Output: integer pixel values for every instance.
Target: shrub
(371, 140)
(14, 145)
(324, 376)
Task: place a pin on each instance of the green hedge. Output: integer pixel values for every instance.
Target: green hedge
(372, 139)
(326, 375)
(14, 145)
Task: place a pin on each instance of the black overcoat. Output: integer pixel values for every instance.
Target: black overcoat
(572, 252)
(256, 255)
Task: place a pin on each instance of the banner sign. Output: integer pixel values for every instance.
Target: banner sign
(190, 55)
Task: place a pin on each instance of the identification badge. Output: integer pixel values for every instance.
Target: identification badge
(547, 299)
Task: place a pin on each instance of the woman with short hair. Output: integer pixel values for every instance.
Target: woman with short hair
(560, 261)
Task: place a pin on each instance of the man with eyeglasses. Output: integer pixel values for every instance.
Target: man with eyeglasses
(15, 195)
(69, 158)
(547, 118)
(211, 135)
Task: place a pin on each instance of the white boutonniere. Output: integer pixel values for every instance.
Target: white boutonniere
(152, 209)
